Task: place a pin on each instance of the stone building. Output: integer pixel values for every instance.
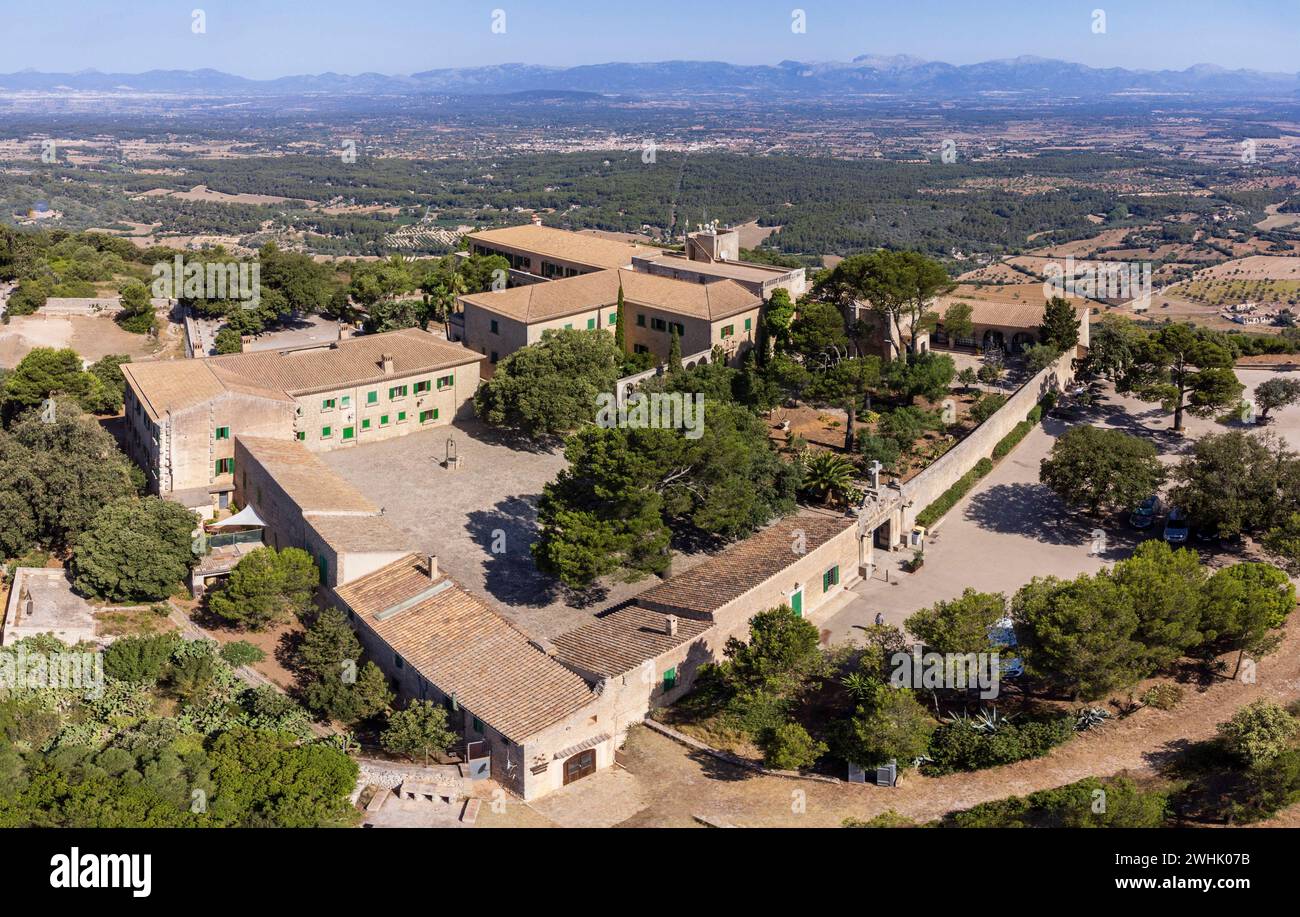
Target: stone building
(183, 415)
(722, 314)
(713, 255)
(537, 253)
(1009, 327)
(554, 712)
(303, 503)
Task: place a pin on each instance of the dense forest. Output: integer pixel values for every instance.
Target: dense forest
(823, 205)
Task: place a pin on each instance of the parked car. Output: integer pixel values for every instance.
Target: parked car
(1144, 516)
(1176, 527)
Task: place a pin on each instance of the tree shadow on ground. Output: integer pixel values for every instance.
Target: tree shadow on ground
(476, 429)
(715, 768)
(1031, 510)
(505, 534)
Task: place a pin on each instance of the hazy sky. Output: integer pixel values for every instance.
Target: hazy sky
(268, 38)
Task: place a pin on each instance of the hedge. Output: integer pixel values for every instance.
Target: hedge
(1012, 439)
(948, 499)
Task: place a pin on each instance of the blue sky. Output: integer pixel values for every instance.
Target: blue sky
(268, 38)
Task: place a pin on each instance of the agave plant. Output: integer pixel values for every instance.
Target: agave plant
(1088, 717)
(990, 720)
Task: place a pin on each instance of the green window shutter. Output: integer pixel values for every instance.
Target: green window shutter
(640, 321)
(302, 435)
(495, 328)
(348, 432)
(670, 679)
(613, 318)
(749, 324)
(365, 423)
(346, 401)
(591, 323)
(830, 578)
(372, 397)
(223, 432)
(326, 432)
(383, 420)
(401, 416)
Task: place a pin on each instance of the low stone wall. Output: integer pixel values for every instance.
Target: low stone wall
(926, 487)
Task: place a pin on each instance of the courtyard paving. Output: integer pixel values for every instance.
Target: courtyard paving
(481, 519)
(1010, 528)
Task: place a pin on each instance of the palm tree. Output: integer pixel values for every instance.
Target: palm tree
(828, 477)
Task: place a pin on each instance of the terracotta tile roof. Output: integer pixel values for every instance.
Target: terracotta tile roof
(466, 649)
(744, 566)
(561, 245)
(170, 385)
(537, 302)
(308, 481)
(1027, 315)
(619, 641)
(354, 361)
(359, 534)
(173, 385)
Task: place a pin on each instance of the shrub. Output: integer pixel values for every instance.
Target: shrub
(241, 652)
(948, 499)
(961, 745)
(789, 747)
(140, 658)
(987, 406)
(418, 731)
(1258, 733)
(1012, 439)
(887, 819)
(1164, 696)
(1123, 804)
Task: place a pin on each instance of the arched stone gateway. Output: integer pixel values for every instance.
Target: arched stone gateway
(993, 340)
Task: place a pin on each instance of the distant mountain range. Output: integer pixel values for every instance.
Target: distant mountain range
(866, 74)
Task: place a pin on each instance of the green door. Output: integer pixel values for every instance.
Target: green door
(796, 602)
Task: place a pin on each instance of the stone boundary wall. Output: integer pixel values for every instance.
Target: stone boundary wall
(625, 386)
(926, 487)
(691, 742)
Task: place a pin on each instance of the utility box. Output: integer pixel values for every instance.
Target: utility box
(918, 536)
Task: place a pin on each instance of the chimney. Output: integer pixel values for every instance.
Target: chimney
(670, 625)
(386, 361)
(433, 566)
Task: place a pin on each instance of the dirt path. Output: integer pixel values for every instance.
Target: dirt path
(681, 784)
